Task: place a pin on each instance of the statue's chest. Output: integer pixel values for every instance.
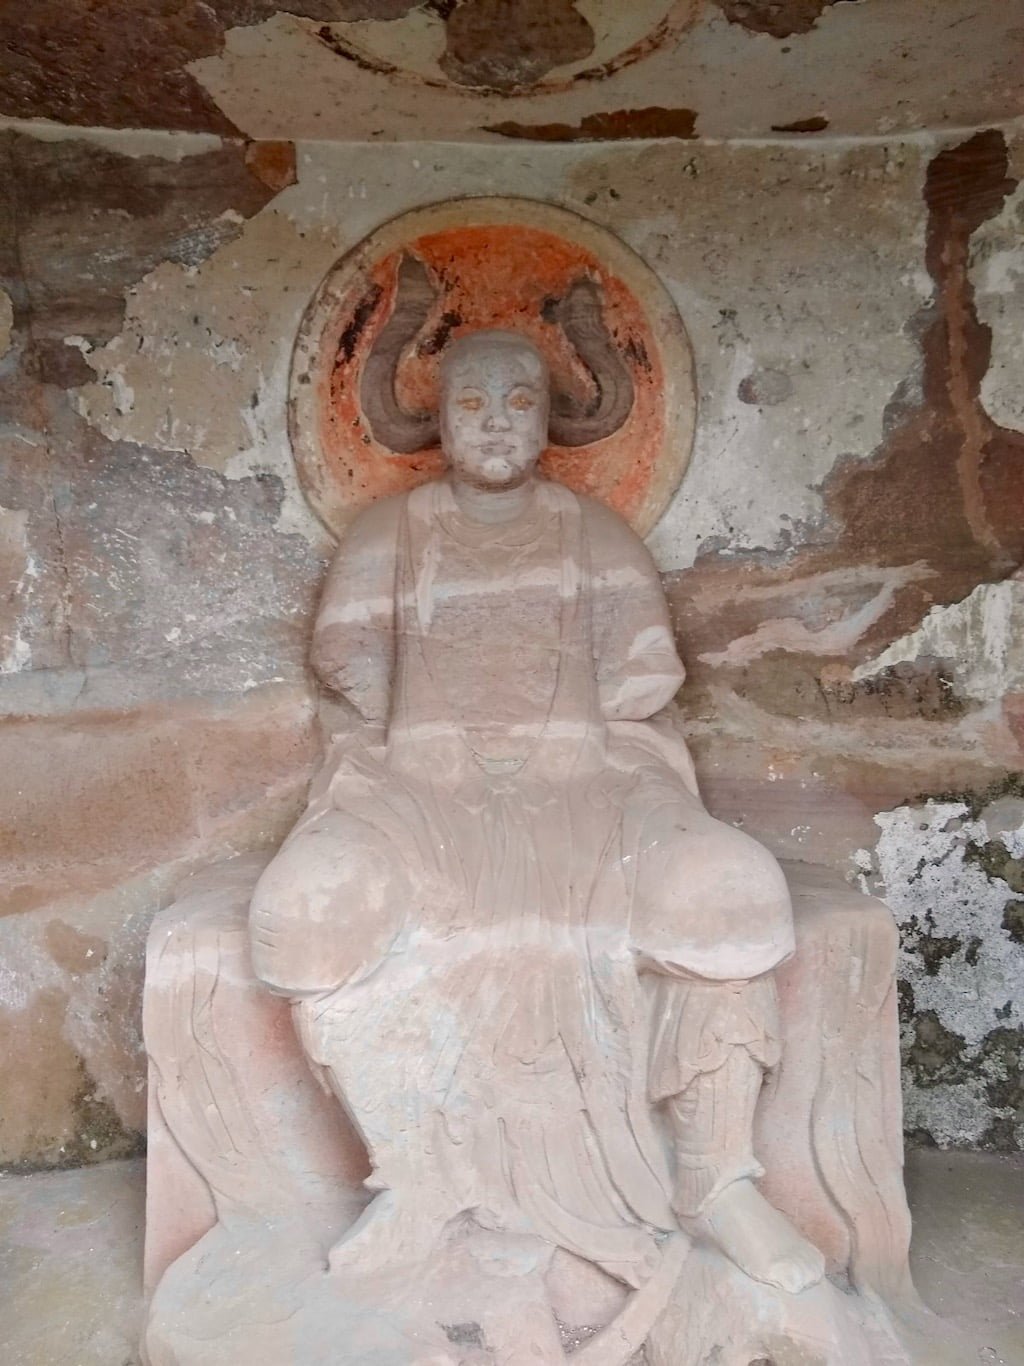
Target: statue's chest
(494, 639)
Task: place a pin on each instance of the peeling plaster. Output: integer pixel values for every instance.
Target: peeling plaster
(741, 83)
(218, 331)
(128, 142)
(788, 283)
(224, 327)
(997, 269)
(827, 626)
(19, 572)
(981, 639)
(960, 969)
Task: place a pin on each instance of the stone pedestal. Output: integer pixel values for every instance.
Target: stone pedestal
(254, 1171)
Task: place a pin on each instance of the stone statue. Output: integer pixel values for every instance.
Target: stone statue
(535, 977)
(521, 868)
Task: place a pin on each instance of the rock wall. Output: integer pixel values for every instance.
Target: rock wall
(843, 558)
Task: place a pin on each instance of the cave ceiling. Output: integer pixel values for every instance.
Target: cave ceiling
(545, 70)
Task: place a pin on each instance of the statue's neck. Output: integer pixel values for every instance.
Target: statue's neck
(493, 506)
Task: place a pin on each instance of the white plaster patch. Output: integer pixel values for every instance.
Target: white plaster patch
(20, 569)
(997, 272)
(129, 142)
(800, 261)
(828, 627)
(982, 637)
(937, 889)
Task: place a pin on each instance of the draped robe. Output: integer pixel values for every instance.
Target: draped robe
(493, 867)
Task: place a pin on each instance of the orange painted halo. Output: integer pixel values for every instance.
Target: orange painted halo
(495, 263)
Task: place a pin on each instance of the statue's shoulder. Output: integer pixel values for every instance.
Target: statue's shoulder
(610, 535)
(375, 526)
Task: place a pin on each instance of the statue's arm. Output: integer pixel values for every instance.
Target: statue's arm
(638, 668)
(354, 637)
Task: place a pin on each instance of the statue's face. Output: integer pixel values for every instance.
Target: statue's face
(494, 414)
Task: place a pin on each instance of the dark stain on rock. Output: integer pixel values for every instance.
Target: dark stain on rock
(1000, 1136)
(905, 1001)
(817, 124)
(764, 388)
(330, 40)
(995, 860)
(438, 339)
(90, 223)
(361, 315)
(939, 498)
(1001, 1060)
(637, 352)
(510, 45)
(941, 488)
(922, 689)
(70, 949)
(1013, 920)
(933, 949)
(122, 63)
(99, 1134)
(53, 361)
(935, 1055)
(919, 1138)
(622, 124)
(795, 685)
(976, 798)
(465, 1335)
(778, 18)
(273, 163)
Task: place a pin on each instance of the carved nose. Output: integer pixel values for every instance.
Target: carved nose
(497, 421)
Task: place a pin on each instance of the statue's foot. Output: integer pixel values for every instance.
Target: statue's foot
(761, 1241)
(390, 1233)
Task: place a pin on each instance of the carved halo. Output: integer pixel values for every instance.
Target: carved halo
(363, 386)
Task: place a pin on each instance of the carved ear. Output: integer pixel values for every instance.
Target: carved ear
(577, 424)
(389, 422)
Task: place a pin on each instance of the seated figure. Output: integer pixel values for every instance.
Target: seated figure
(536, 977)
(483, 912)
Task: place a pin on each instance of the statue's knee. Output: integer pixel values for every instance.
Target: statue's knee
(698, 862)
(324, 905)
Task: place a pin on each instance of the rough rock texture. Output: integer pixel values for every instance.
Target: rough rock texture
(155, 709)
(452, 69)
(843, 558)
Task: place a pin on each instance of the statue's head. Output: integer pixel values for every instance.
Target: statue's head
(575, 420)
(494, 408)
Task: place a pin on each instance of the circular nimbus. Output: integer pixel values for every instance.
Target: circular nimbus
(363, 388)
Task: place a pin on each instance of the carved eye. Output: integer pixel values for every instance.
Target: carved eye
(470, 403)
(522, 403)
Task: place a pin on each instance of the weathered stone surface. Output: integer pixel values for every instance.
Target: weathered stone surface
(448, 69)
(779, 18)
(613, 126)
(108, 813)
(124, 65)
(953, 870)
(840, 557)
(154, 702)
(872, 67)
(509, 44)
(90, 223)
